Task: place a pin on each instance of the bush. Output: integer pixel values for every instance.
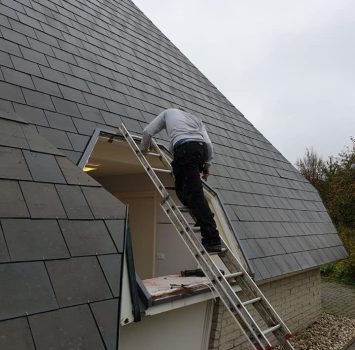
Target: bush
(335, 182)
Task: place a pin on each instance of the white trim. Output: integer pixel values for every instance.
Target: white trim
(186, 301)
(207, 326)
(126, 301)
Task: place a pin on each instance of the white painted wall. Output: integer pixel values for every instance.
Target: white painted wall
(172, 255)
(181, 329)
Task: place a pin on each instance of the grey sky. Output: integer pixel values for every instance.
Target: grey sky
(288, 66)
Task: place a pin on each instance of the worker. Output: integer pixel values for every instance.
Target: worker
(192, 154)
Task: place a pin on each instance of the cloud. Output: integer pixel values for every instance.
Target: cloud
(288, 66)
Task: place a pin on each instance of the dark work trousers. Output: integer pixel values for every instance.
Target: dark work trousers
(189, 158)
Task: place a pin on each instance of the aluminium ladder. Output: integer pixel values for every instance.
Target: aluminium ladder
(221, 283)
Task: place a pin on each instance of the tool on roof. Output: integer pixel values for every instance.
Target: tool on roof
(220, 282)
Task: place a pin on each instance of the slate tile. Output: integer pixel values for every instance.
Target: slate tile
(111, 265)
(112, 119)
(262, 268)
(40, 46)
(82, 73)
(26, 66)
(92, 114)
(105, 313)
(59, 65)
(31, 114)
(13, 165)
(66, 107)
(43, 167)
(9, 47)
(12, 203)
(30, 277)
(4, 21)
(16, 335)
(78, 280)
(34, 239)
(74, 202)
(70, 328)
(11, 133)
(117, 231)
(95, 101)
(132, 125)
(38, 99)
(58, 138)
(8, 12)
(29, 21)
(17, 78)
(53, 75)
(76, 83)
(42, 200)
(98, 90)
(272, 266)
(73, 156)
(46, 38)
(47, 87)
(305, 259)
(15, 5)
(34, 56)
(116, 108)
(74, 175)
(4, 254)
(11, 92)
(60, 121)
(5, 60)
(79, 142)
(36, 142)
(13, 36)
(72, 94)
(85, 127)
(287, 263)
(103, 204)
(87, 237)
(63, 55)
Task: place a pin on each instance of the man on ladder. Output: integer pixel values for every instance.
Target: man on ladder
(192, 151)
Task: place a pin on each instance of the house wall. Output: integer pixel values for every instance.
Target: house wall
(172, 254)
(169, 254)
(185, 328)
(296, 298)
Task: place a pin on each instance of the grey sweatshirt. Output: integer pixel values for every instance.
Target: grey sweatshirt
(179, 125)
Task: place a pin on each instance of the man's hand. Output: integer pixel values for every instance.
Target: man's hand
(144, 150)
(205, 171)
(205, 175)
(145, 143)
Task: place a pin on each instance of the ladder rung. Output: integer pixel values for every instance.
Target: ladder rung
(183, 209)
(152, 154)
(162, 170)
(235, 274)
(271, 329)
(251, 301)
(196, 229)
(222, 286)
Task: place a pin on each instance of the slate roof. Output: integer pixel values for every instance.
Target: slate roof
(68, 67)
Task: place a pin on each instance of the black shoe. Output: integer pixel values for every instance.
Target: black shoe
(214, 248)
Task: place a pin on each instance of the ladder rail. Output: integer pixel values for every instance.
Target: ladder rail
(216, 279)
(163, 158)
(220, 283)
(253, 290)
(254, 329)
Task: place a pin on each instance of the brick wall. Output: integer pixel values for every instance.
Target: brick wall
(296, 298)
